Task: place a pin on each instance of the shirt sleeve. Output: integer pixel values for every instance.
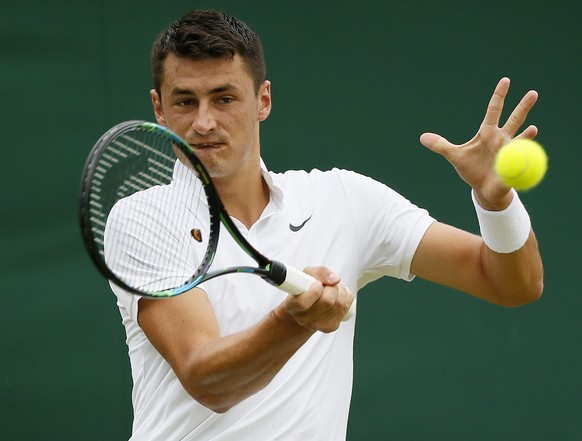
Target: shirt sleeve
(148, 250)
(389, 227)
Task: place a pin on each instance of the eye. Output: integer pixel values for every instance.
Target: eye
(225, 100)
(185, 103)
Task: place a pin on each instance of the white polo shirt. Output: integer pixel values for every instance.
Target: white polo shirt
(357, 227)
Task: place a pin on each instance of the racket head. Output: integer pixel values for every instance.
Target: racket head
(137, 160)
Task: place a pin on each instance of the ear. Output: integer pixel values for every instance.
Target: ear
(157, 104)
(265, 103)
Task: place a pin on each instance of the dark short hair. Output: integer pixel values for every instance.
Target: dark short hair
(203, 34)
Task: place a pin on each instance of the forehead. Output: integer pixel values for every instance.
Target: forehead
(205, 74)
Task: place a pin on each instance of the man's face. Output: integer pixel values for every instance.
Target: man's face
(213, 106)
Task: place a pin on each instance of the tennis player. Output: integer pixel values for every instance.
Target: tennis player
(236, 359)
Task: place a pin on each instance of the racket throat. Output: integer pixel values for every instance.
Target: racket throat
(277, 273)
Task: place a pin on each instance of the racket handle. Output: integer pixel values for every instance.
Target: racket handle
(297, 282)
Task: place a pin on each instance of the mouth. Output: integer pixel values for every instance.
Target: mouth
(206, 145)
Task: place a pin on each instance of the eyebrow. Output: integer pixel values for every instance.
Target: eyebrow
(219, 89)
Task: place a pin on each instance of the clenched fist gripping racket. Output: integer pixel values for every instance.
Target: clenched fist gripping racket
(127, 184)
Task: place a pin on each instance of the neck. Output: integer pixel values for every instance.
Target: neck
(244, 198)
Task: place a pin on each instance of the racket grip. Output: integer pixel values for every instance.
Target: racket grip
(297, 282)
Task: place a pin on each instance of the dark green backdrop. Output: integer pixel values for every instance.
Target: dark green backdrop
(354, 85)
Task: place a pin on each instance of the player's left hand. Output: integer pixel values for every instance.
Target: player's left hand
(474, 160)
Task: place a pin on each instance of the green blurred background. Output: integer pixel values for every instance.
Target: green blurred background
(354, 85)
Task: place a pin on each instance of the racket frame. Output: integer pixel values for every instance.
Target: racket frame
(271, 271)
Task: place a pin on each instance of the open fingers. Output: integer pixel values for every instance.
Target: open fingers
(519, 114)
(530, 132)
(495, 106)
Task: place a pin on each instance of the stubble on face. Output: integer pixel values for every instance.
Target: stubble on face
(212, 104)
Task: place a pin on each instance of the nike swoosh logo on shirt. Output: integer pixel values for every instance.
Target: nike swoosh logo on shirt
(296, 228)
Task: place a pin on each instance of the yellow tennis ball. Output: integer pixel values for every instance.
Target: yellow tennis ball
(521, 164)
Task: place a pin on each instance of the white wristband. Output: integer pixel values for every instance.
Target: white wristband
(504, 231)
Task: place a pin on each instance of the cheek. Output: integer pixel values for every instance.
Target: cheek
(178, 123)
(248, 129)
(239, 124)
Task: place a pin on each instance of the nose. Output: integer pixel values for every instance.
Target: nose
(204, 122)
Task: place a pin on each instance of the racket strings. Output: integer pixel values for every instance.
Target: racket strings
(138, 212)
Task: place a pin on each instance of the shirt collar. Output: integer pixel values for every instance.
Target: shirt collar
(274, 189)
(181, 172)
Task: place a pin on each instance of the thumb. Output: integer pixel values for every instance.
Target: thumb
(324, 275)
(435, 142)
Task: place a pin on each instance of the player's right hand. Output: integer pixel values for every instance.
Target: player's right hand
(324, 305)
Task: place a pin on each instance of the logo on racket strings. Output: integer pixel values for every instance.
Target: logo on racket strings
(196, 234)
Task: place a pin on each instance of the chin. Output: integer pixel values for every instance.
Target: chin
(215, 170)
(216, 174)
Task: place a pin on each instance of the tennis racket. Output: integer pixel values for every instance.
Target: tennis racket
(129, 184)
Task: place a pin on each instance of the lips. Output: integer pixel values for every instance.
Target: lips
(206, 145)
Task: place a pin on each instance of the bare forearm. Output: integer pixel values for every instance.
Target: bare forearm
(225, 371)
(517, 277)
(460, 260)
(220, 371)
